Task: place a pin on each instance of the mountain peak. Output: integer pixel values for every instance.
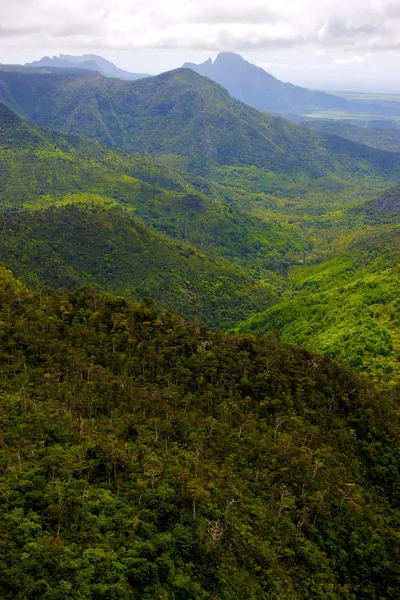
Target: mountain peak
(253, 85)
(231, 57)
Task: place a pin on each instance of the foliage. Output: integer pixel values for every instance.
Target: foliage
(84, 241)
(38, 168)
(346, 307)
(261, 217)
(143, 456)
(384, 138)
(183, 113)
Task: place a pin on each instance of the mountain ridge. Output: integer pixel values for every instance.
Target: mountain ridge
(91, 62)
(181, 112)
(258, 88)
(51, 183)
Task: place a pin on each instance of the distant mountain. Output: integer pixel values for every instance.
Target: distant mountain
(91, 62)
(254, 86)
(182, 113)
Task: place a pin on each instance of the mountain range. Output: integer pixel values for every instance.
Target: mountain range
(244, 81)
(89, 62)
(58, 190)
(183, 113)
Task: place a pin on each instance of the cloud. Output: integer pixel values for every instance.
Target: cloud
(337, 29)
(392, 10)
(22, 19)
(354, 28)
(351, 60)
(219, 13)
(236, 36)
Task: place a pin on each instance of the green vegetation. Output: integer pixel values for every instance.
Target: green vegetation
(384, 138)
(143, 456)
(38, 168)
(183, 113)
(347, 307)
(84, 241)
(120, 242)
(224, 247)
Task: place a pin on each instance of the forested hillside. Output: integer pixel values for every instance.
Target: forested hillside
(85, 240)
(161, 450)
(113, 219)
(143, 456)
(182, 113)
(40, 167)
(223, 250)
(384, 138)
(346, 307)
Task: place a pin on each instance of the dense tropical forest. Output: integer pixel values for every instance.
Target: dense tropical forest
(145, 456)
(200, 345)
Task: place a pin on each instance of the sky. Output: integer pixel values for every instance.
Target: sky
(323, 44)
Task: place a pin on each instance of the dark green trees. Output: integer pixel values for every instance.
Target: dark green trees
(143, 456)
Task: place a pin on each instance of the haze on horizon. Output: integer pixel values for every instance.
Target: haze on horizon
(316, 43)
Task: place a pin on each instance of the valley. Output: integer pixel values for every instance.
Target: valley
(199, 337)
(236, 219)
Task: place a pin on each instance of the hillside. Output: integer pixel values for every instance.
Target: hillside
(183, 113)
(144, 456)
(254, 86)
(347, 307)
(128, 239)
(84, 241)
(382, 210)
(246, 240)
(40, 167)
(376, 137)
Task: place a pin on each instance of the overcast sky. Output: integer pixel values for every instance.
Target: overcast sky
(327, 44)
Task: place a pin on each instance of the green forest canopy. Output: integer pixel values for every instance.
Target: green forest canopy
(144, 456)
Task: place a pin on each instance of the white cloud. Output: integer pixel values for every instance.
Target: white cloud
(297, 39)
(206, 24)
(351, 60)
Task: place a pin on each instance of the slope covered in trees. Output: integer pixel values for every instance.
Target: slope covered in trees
(85, 240)
(182, 113)
(91, 214)
(143, 456)
(348, 306)
(39, 167)
(384, 138)
(229, 218)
